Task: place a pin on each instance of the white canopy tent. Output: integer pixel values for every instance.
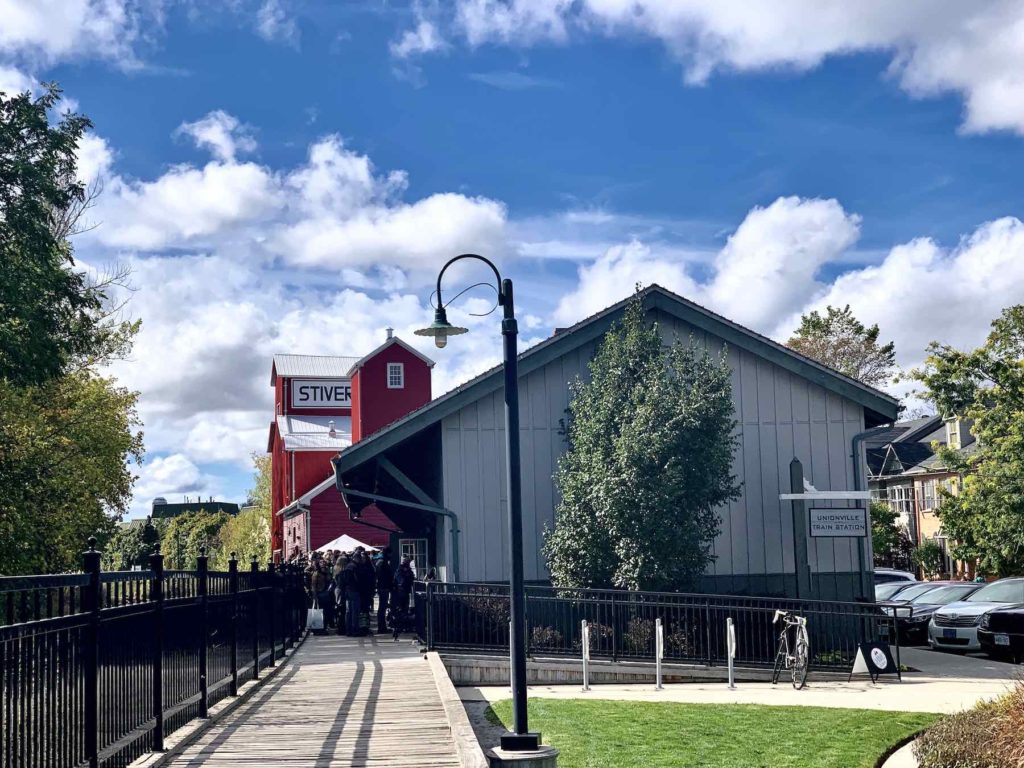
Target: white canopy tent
(345, 543)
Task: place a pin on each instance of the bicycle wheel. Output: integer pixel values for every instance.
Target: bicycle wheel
(780, 659)
(801, 661)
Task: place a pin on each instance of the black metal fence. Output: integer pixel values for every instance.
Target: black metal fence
(475, 618)
(96, 667)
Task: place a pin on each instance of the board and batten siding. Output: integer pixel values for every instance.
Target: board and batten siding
(780, 415)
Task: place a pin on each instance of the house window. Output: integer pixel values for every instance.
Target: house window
(417, 550)
(396, 375)
(929, 494)
(953, 433)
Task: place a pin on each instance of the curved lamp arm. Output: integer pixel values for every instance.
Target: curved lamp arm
(488, 262)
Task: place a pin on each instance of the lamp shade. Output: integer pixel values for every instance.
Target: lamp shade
(441, 329)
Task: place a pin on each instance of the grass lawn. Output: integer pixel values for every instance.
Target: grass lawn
(596, 734)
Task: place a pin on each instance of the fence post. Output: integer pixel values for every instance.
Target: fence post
(430, 617)
(585, 648)
(254, 619)
(91, 604)
(233, 578)
(203, 587)
(707, 634)
(156, 591)
(730, 642)
(272, 580)
(659, 651)
(615, 629)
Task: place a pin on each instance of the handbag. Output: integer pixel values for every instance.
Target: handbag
(315, 618)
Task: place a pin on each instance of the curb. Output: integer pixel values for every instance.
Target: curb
(466, 744)
(178, 741)
(900, 754)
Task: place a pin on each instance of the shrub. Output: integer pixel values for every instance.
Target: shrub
(639, 637)
(987, 736)
(545, 638)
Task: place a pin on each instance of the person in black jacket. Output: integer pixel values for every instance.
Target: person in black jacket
(350, 581)
(365, 578)
(385, 580)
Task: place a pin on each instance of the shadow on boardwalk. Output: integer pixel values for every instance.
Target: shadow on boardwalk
(341, 702)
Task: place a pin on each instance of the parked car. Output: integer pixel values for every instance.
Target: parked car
(954, 627)
(919, 602)
(884, 592)
(1001, 633)
(887, 575)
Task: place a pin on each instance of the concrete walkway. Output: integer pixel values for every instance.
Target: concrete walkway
(945, 683)
(341, 702)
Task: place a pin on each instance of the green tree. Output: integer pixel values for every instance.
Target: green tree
(131, 544)
(53, 320)
(247, 534)
(66, 433)
(889, 539)
(986, 386)
(63, 476)
(188, 533)
(930, 557)
(651, 441)
(840, 341)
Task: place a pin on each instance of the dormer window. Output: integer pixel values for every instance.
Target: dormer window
(396, 375)
(953, 434)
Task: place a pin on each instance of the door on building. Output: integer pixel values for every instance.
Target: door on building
(417, 550)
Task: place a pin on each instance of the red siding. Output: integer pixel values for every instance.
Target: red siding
(376, 405)
(311, 469)
(329, 519)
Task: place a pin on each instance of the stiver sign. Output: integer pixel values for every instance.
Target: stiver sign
(838, 522)
(321, 393)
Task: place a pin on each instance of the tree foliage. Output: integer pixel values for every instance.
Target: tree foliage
(651, 441)
(131, 545)
(890, 541)
(187, 534)
(247, 534)
(841, 341)
(930, 557)
(65, 431)
(986, 386)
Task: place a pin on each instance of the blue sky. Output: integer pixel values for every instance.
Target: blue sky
(287, 176)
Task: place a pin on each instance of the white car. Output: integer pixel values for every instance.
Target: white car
(955, 626)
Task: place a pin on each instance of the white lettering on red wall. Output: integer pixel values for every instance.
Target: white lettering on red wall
(321, 393)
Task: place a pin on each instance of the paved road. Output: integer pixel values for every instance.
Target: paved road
(944, 683)
(339, 703)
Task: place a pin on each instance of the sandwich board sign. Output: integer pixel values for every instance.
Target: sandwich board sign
(875, 659)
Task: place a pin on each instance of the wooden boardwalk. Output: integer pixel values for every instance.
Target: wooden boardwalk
(339, 702)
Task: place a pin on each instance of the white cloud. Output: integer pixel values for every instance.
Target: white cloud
(47, 31)
(170, 476)
(220, 133)
(769, 264)
(95, 158)
(974, 49)
(423, 38)
(274, 24)
(13, 80)
(765, 277)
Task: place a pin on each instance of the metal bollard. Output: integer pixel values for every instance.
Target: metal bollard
(659, 652)
(730, 639)
(585, 648)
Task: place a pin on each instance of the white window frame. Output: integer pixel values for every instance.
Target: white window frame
(400, 369)
(418, 549)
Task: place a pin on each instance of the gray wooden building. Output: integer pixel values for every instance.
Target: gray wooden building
(439, 472)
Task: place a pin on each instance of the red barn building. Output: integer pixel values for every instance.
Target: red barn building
(323, 404)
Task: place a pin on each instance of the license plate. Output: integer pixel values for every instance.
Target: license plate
(949, 634)
(1002, 639)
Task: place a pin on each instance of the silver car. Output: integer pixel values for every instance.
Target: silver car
(955, 626)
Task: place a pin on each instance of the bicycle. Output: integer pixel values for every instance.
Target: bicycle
(799, 659)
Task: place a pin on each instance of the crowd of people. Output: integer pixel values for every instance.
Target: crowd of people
(344, 585)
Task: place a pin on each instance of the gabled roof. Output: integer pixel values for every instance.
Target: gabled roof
(918, 429)
(393, 340)
(307, 498)
(311, 366)
(884, 406)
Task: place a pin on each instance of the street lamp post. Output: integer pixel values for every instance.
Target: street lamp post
(519, 739)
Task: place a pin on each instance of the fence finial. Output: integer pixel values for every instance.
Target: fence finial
(202, 551)
(91, 541)
(234, 555)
